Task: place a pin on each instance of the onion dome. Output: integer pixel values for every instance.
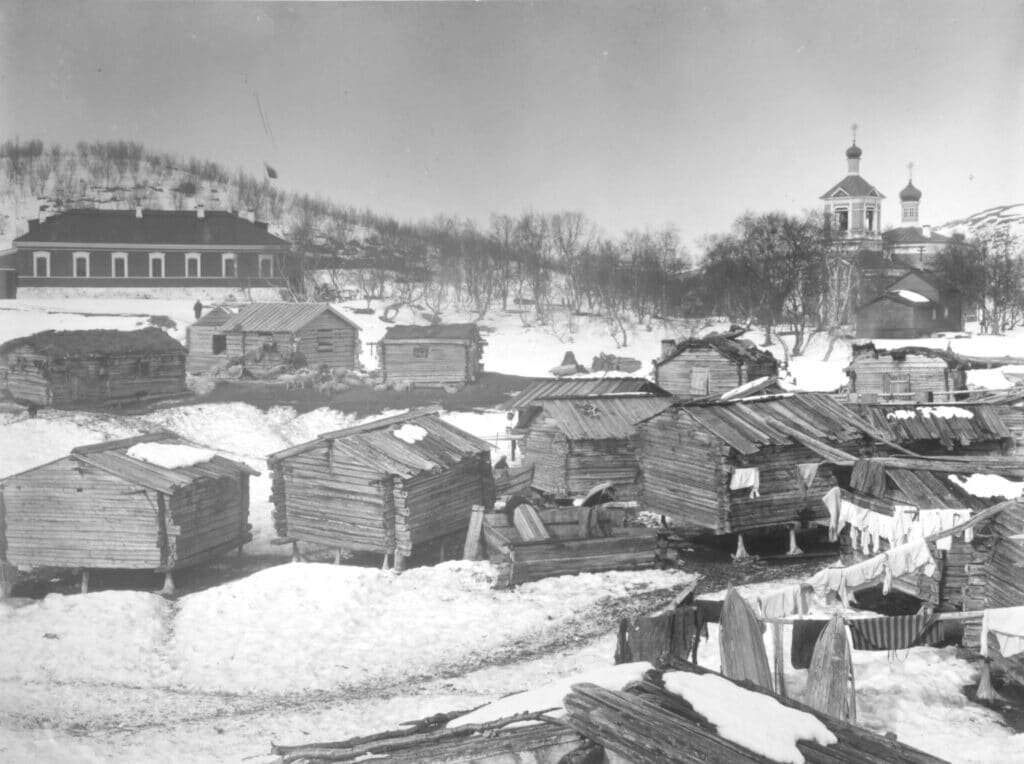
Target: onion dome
(911, 193)
(853, 152)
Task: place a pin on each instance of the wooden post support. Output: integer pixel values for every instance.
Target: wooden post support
(337, 556)
(780, 660)
(441, 552)
(168, 590)
(793, 548)
(85, 581)
(384, 563)
(741, 550)
(471, 549)
(296, 557)
(399, 561)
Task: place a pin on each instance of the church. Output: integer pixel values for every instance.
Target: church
(898, 294)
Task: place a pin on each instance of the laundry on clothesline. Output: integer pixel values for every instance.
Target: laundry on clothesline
(882, 568)
(1007, 624)
(890, 632)
(746, 477)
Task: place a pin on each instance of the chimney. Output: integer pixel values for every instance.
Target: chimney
(667, 346)
(138, 211)
(42, 215)
(250, 215)
(926, 231)
(200, 211)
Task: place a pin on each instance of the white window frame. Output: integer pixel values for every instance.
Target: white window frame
(228, 257)
(194, 256)
(154, 257)
(75, 257)
(270, 270)
(114, 257)
(36, 256)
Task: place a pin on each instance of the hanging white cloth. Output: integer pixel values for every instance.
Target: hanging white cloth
(832, 499)
(746, 477)
(1007, 623)
(807, 472)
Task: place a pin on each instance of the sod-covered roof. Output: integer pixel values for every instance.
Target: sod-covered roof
(86, 343)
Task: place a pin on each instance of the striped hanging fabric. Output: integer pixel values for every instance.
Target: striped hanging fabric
(889, 633)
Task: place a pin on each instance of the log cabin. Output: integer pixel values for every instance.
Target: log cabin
(269, 334)
(732, 466)
(387, 486)
(199, 340)
(915, 305)
(432, 355)
(153, 502)
(574, 443)
(93, 366)
(711, 365)
(905, 374)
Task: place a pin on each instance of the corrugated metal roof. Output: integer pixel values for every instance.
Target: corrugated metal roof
(579, 388)
(279, 317)
(467, 332)
(605, 417)
(112, 457)
(933, 422)
(374, 445)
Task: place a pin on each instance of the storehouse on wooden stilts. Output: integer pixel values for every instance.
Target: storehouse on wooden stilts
(93, 366)
(153, 502)
(575, 443)
(386, 486)
(269, 334)
(711, 365)
(751, 463)
(432, 355)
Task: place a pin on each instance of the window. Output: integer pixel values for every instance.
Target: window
(700, 380)
(266, 266)
(870, 223)
(843, 220)
(896, 383)
(420, 351)
(192, 265)
(119, 264)
(41, 264)
(81, 265)
(156, 265)
(220, 344)
(910, 212)
(324, 340)
(230, 265)
(144, 368)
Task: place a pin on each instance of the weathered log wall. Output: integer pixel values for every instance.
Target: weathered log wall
(69, 514)
(547, 450)
(675, 375)
(429, 362)
(207, 518)
(874, 375)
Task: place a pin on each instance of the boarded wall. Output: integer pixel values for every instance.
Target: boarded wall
(427, 363)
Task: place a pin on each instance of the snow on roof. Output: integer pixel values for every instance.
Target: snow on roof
(910, 295)
(989, 486)
(551, 696)
(731, 709)
(410, 433)
(170, 456)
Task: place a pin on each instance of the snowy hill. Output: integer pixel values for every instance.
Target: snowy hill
(1006, 217)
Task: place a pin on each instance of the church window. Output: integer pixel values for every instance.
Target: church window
(843, 220)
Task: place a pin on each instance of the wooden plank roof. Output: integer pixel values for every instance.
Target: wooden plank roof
(815, 420)
(941, 422)
(111, 456)
(575, 387)
(466, 332)
(604, 417)
(730, 346)
(280, 317)
(374, 445)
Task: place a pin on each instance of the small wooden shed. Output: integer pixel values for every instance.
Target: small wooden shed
(200, 343)
(433, 355)
(904, 374)
(92, 366)
(752, 463)
(153, 502)
(711, 365)
(915, 305)
(575, 443)
(386, 486)
(269, 334)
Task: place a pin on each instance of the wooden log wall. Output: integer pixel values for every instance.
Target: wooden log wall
(201, 357)
(681, 465)
(591, 462)
(207, 517)
(26, 380)
(723, 374)
(343, 350)
(546, 449)
(430, 506)
(445, 362)
(324, 501)
(1013, 418)
(926, 374)
(69, 514)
